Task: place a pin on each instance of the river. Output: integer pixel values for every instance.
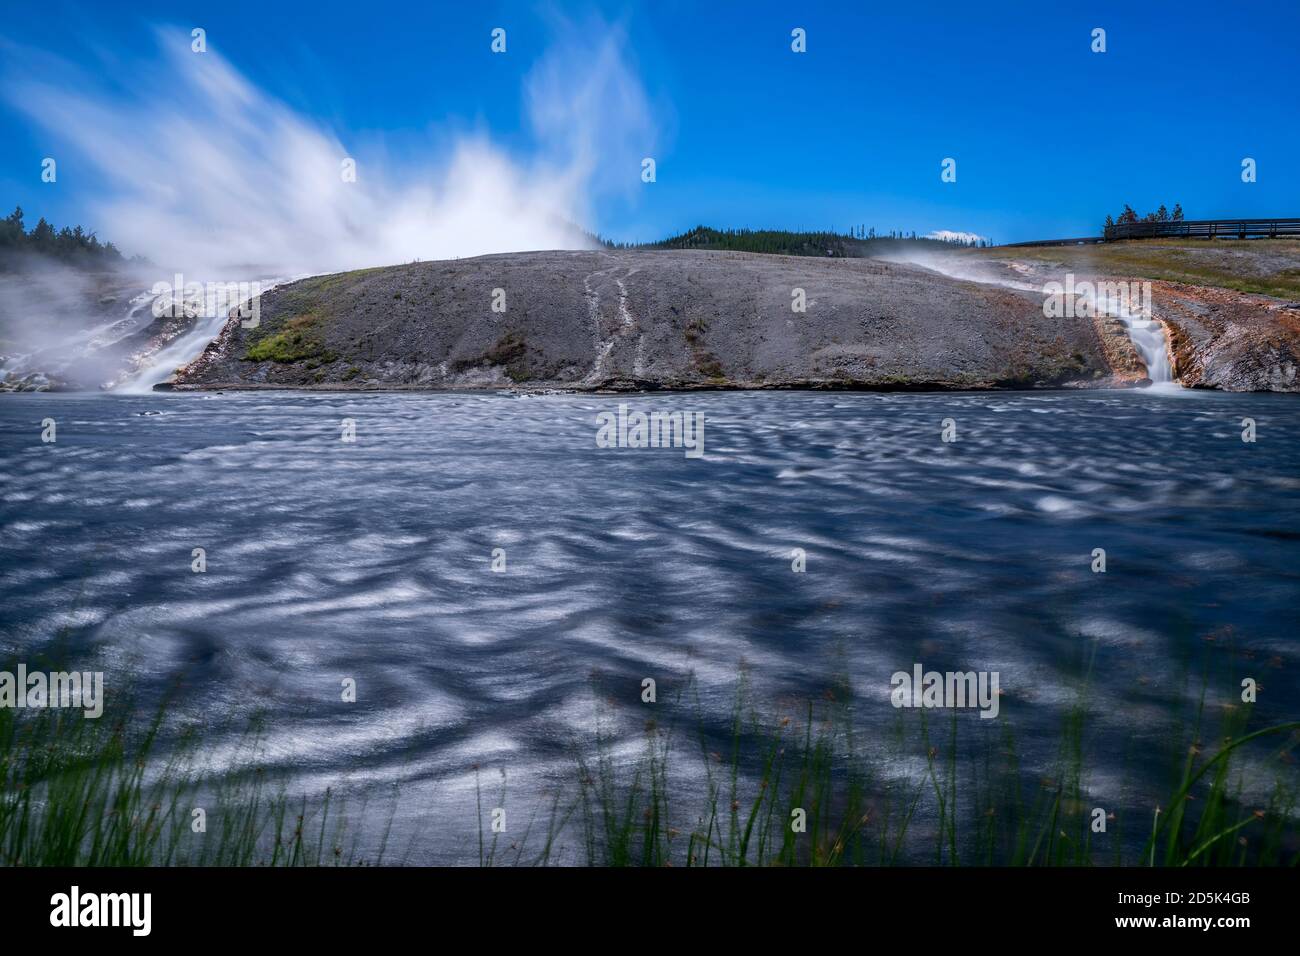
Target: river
(372, 560)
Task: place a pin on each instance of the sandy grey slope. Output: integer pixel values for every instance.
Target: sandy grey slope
(656, 319)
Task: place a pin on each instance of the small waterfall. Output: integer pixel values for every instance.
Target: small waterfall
(211, 304)
(162, 364)
(1128, 301)
(1146, 334)
(127, 342)
(1149, 339)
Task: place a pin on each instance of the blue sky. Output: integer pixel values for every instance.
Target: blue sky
(1048, 136)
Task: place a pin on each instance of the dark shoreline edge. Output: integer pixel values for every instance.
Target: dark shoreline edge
(653, 389)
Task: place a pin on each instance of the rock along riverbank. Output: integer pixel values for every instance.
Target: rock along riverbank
(627, 320)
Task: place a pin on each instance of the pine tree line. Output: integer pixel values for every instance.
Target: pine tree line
(73, 245)
(786, 242)
(1160, 215)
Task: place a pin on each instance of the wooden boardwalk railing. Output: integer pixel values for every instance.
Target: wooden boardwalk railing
(1183, 229)
(1206, 229)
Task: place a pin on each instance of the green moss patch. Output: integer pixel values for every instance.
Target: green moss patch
(298, 341)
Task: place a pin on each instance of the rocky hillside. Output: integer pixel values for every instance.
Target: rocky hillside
(1230, 309)
(657, 319)
(1229, 340)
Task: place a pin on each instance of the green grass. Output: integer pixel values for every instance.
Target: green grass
(79, 792)
(952, 813)
(1262, 266)
(933, 787)
(298, 341)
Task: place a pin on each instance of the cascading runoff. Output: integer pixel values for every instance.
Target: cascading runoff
(210, 306)
(1146, 334)
(1129, 302)
(75, 333)
(162, 364)
(115, 338)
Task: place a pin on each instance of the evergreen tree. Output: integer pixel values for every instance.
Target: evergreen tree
(11, 228)
(71, 244)
(42, 237)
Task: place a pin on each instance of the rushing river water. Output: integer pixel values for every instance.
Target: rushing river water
(373, 560)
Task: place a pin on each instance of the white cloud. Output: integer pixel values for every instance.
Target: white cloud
(949, 235)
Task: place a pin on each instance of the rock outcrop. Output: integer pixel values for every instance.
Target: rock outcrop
(1230, 340)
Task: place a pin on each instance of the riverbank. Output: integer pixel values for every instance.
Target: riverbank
(795, 790)
(920, 317)
(632, 320)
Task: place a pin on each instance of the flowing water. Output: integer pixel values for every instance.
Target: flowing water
(1127, 300)
(1133, 308)
(372, 560)
(213, 304)
(122, 349)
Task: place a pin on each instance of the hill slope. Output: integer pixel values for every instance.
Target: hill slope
(1230, 308)
(625, 319)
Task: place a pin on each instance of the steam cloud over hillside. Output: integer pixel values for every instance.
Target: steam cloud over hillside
(208, 173)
